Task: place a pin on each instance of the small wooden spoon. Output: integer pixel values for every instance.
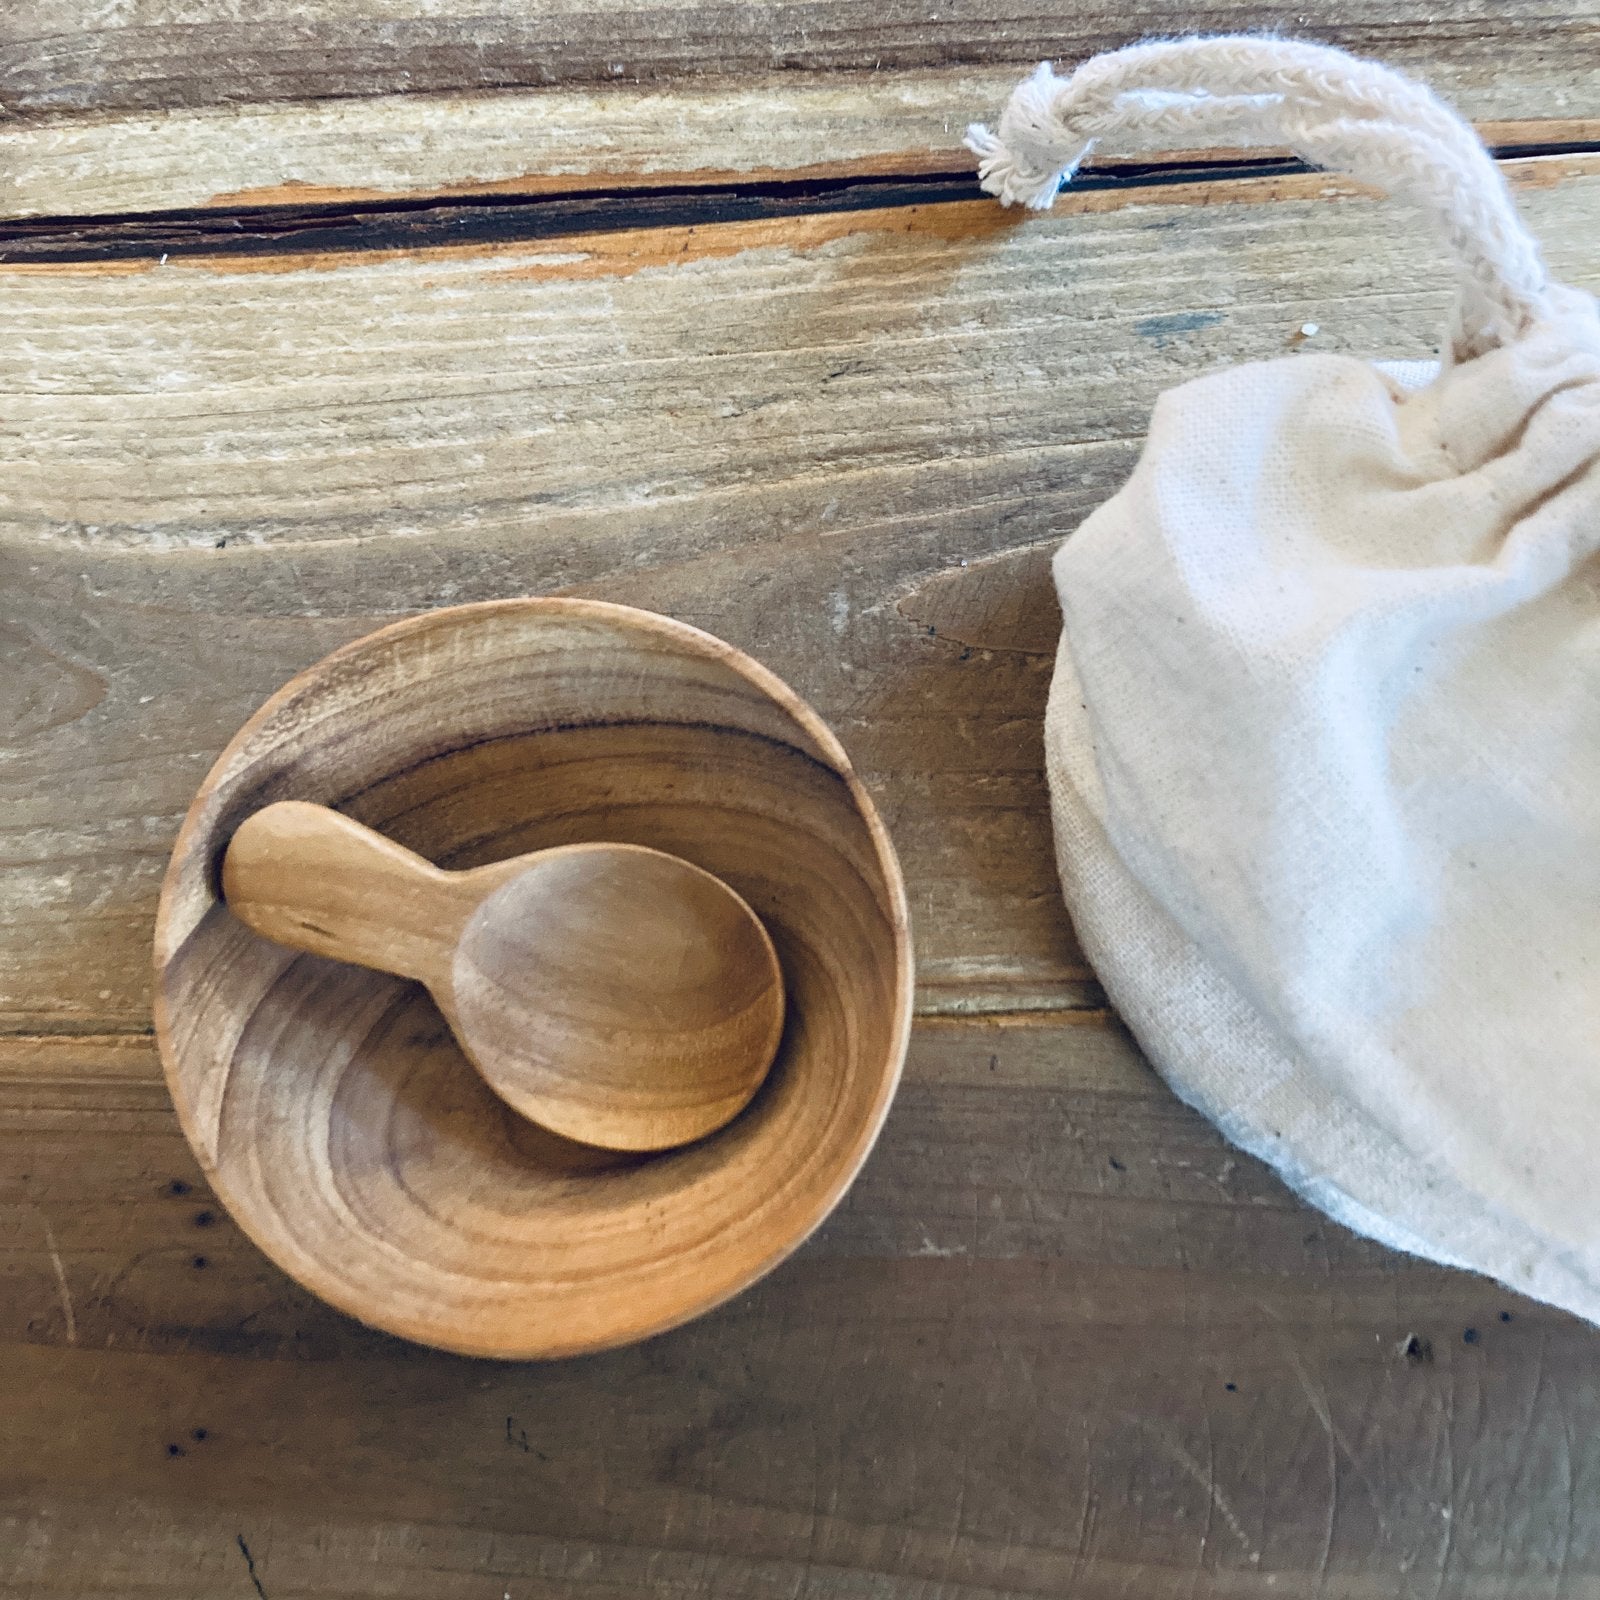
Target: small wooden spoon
(611, 993)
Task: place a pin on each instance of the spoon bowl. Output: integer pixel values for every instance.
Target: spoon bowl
(618, 996)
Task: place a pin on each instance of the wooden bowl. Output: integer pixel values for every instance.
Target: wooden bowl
(331, 1109)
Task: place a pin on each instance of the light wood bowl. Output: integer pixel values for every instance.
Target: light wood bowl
(330, 1107)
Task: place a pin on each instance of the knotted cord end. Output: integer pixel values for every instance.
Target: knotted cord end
(1033, 154)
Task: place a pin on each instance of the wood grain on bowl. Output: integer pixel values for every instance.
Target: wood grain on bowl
(330, 1106)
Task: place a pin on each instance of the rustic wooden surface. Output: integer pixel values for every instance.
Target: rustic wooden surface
(776, 127)
(97, 55)
(277, 366)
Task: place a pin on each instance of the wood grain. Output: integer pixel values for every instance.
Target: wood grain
(784, 127)
(1060, 1340)
(329, 1105)
(1002, 1369)
(60, 55)
(608, 992)
(792, 433)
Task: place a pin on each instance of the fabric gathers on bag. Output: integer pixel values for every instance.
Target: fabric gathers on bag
(1323, 741)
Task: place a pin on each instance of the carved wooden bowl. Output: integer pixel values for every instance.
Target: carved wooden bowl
(329, 1106)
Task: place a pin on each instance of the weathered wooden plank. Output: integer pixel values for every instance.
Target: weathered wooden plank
(793, 433)
(1059, 1340)
(63, 55)
(783, 126)
(91, 806)
(778, 126)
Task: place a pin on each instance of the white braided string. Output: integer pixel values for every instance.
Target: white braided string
(1332, 109)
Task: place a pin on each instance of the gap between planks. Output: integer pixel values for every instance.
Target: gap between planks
(280, 237)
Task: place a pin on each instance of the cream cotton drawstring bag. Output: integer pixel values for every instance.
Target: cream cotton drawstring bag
(1323, 740)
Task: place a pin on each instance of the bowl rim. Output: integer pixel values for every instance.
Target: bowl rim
(765, 681)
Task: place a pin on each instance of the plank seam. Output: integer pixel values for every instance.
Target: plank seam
(423, 222)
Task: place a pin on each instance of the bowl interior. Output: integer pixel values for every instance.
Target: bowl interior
(336, 1117)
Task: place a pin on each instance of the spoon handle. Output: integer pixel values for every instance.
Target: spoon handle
(316, 880)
